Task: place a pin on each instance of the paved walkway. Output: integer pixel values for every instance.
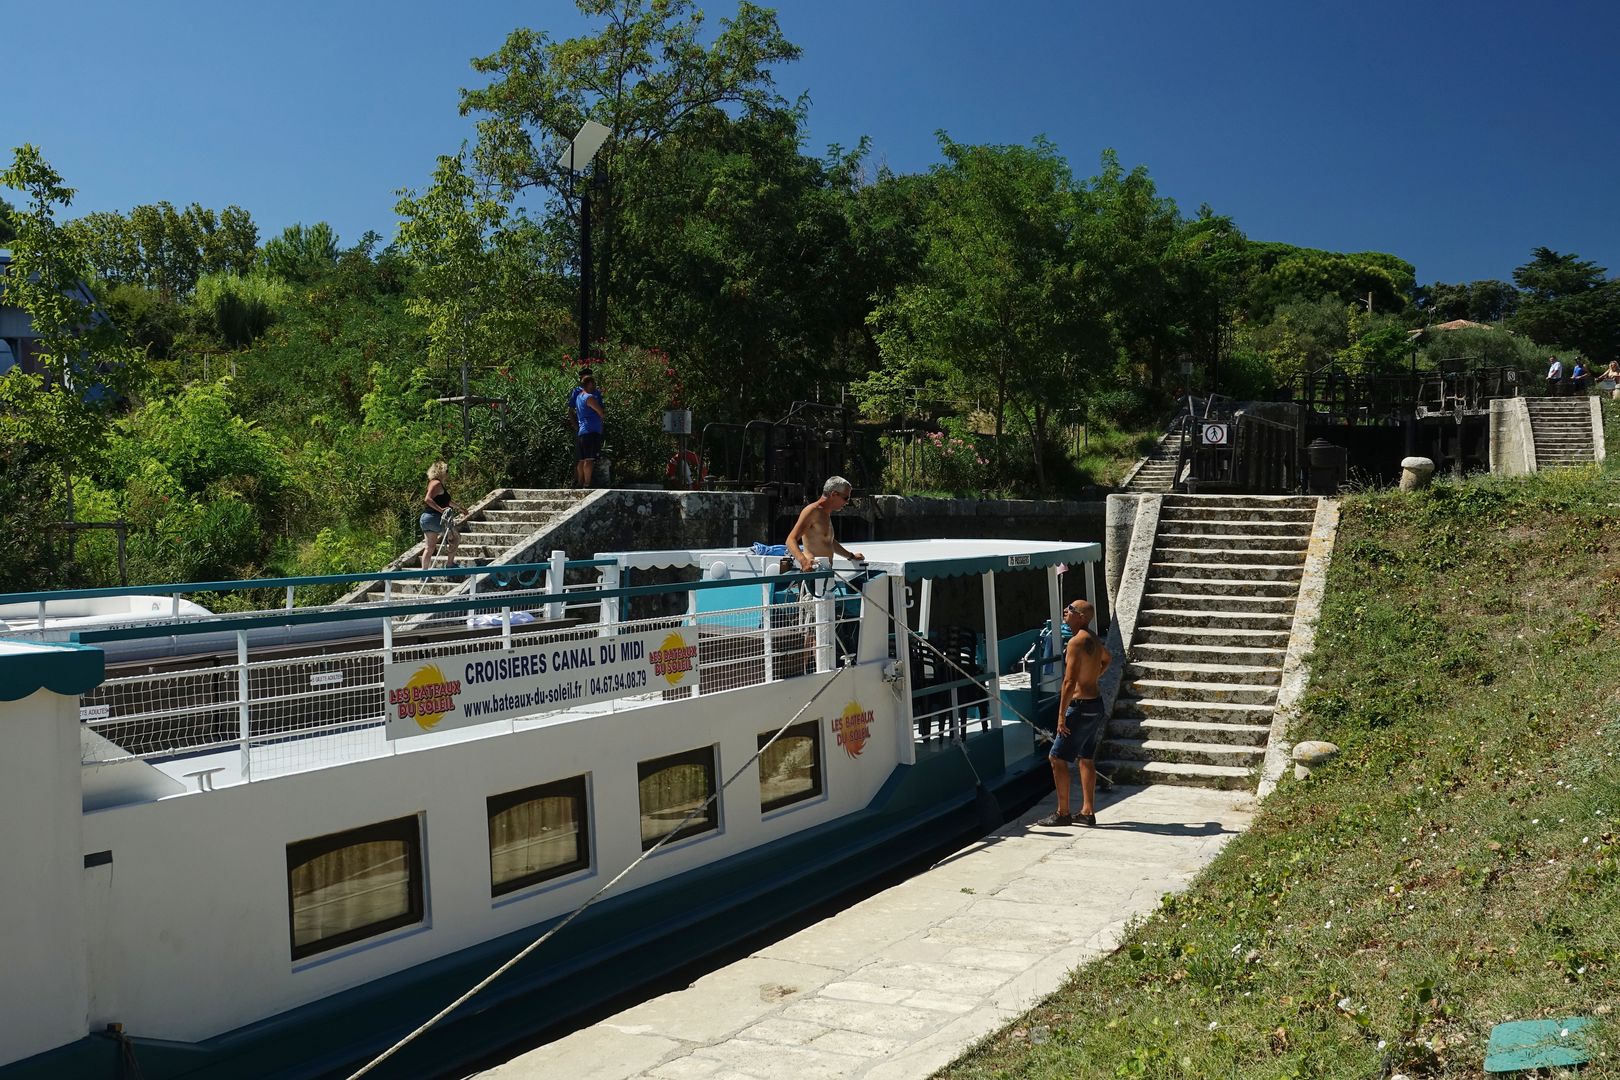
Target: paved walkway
(898, 985)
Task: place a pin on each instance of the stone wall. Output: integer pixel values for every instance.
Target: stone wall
(628, 519)
(898, 517)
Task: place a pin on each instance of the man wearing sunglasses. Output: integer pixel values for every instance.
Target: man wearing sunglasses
(812, 536)
(1081, 718)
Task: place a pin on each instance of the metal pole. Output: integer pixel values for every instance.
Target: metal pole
(584, 272)
(992, 659)
(243, 718)
(554, 583)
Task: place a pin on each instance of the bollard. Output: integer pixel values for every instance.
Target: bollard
(1415, 473)
(1308, 755)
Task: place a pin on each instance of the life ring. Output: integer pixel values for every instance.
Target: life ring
(694, 468)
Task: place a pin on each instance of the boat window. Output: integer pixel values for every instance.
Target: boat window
(671, 788)
(790, 768)
(537, 833)
(353, 885)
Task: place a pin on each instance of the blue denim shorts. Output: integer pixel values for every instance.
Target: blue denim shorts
(1086, 722)
(431, 522)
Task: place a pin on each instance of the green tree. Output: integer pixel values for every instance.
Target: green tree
(735, 249)
(8, 229)
(1568, 301)
(51, 428)
(301, 255)
(644, 75)
(1129, 232)
(475, 279)
(1279, 273)
(1009, 306)
(1486, 301)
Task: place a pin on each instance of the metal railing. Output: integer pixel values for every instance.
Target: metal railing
(255, 718)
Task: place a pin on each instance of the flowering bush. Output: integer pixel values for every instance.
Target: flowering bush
(953, 461)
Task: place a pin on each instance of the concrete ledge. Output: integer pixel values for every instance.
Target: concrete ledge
(1513, 442)
(1296, 671)
(1599, 451)
(1125, 597)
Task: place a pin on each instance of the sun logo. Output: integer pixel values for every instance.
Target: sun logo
(852, 728)
(430, 696)
(674, 659)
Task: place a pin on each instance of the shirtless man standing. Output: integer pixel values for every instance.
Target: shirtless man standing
(1081, 719)
(812, 536)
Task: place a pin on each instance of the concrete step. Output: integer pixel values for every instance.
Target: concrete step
(1195, 585)
(1239, 571)
(1246, 502)
(1206, 670)
(1255, 514)
(1225, 777)
(1215, 620)
(526, 517)
(1164, 552)
(1175, 690)
(1188, 731)
(1172, 652)
(1220, 601)
(1220, 713)
(1190, 753)
(1222, 527)
(1214, 637)
(1174, 538)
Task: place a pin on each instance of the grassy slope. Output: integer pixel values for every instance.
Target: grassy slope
(1455, 867)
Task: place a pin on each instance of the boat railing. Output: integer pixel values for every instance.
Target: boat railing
(238, 716)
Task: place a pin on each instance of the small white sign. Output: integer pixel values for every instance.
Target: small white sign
(326, 678)
(1214, 434)
(95, 712)
(1018, 560)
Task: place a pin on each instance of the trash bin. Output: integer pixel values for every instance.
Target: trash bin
(1329, 467)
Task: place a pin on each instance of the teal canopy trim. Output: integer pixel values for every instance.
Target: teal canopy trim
(980, 564)
(58, 667)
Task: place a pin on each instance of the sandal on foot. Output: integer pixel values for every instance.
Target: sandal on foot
(1089, 820)
(1056, 820)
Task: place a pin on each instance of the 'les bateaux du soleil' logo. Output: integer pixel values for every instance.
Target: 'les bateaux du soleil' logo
(673, 659)
(853, 727)
(426, 698)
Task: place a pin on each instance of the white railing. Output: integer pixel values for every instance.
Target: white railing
(254, 718)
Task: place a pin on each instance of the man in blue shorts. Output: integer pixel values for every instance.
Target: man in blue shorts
(1081, 718)
(586, 402)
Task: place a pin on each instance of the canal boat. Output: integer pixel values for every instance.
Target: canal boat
(269, 860)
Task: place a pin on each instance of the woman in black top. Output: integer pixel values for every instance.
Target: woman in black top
(435, 522)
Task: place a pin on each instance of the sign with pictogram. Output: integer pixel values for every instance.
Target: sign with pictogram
(1214, 434)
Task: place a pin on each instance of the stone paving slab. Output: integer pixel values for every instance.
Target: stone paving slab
(898, 985)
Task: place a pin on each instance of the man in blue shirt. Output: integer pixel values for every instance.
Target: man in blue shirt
(586, 401)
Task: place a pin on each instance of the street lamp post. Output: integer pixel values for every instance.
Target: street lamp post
(580, 153)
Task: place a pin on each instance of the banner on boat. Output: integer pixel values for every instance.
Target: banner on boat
(462, 689)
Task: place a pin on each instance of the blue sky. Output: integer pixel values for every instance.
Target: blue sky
(1456, 136)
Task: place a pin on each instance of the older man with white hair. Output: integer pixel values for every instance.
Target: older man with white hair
(812, 535)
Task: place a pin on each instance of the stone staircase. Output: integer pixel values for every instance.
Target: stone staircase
(1156, 473)
(1562, 429)
(1205, 661)
(500, 527)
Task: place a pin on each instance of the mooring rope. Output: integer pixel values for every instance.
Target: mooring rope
(597, 895)
(527, 950)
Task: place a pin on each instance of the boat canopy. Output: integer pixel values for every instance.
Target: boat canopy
(915, 560)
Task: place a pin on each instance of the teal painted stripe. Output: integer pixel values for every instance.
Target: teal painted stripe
(54, 666)
(295, 617)
(183, 588)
